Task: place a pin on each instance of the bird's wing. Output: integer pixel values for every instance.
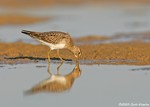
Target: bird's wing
(53, 37)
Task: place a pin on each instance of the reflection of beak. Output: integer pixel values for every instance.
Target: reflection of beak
(77, 58)
(77, 65)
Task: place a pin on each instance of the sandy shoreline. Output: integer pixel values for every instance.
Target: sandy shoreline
(134, 53)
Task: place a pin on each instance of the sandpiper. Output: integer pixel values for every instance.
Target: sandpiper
(56, 83)
(55, 40)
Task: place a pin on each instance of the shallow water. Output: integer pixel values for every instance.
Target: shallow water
(82, 20)
(98, 85)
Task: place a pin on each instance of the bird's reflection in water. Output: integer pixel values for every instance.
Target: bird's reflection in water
(57, 83)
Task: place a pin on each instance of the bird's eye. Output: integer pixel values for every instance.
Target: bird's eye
(79, 53)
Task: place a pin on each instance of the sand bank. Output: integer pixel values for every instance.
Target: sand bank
(18, 19)
(137, 53)
(43, 3)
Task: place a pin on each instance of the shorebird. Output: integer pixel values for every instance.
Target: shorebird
(56, 83)
(55, 40)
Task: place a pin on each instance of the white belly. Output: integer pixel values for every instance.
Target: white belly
(53, 46)
(59, 79)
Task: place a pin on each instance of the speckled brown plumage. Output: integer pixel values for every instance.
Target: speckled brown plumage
(55, 40)
(53, 37)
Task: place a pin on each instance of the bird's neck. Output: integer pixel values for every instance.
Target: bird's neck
(71, 48)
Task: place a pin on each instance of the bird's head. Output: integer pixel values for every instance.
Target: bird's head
(76, 51)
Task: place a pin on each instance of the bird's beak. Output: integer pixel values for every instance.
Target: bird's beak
(77, 57)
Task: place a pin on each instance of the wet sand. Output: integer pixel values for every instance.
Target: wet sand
(134, 53)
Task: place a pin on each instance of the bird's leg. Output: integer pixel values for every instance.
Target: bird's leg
(49, 60)
(62, 61)
(48, 70)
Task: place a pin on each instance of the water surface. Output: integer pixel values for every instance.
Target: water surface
(98, 85)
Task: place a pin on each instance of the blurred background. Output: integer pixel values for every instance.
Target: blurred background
(77, 17)
(102, 20)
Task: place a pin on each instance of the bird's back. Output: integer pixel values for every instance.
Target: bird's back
(53, 37)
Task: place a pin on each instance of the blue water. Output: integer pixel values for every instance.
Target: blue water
(82, 20)
(98, 85)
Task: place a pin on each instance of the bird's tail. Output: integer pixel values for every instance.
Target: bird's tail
(30, 33)
(27, 32)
